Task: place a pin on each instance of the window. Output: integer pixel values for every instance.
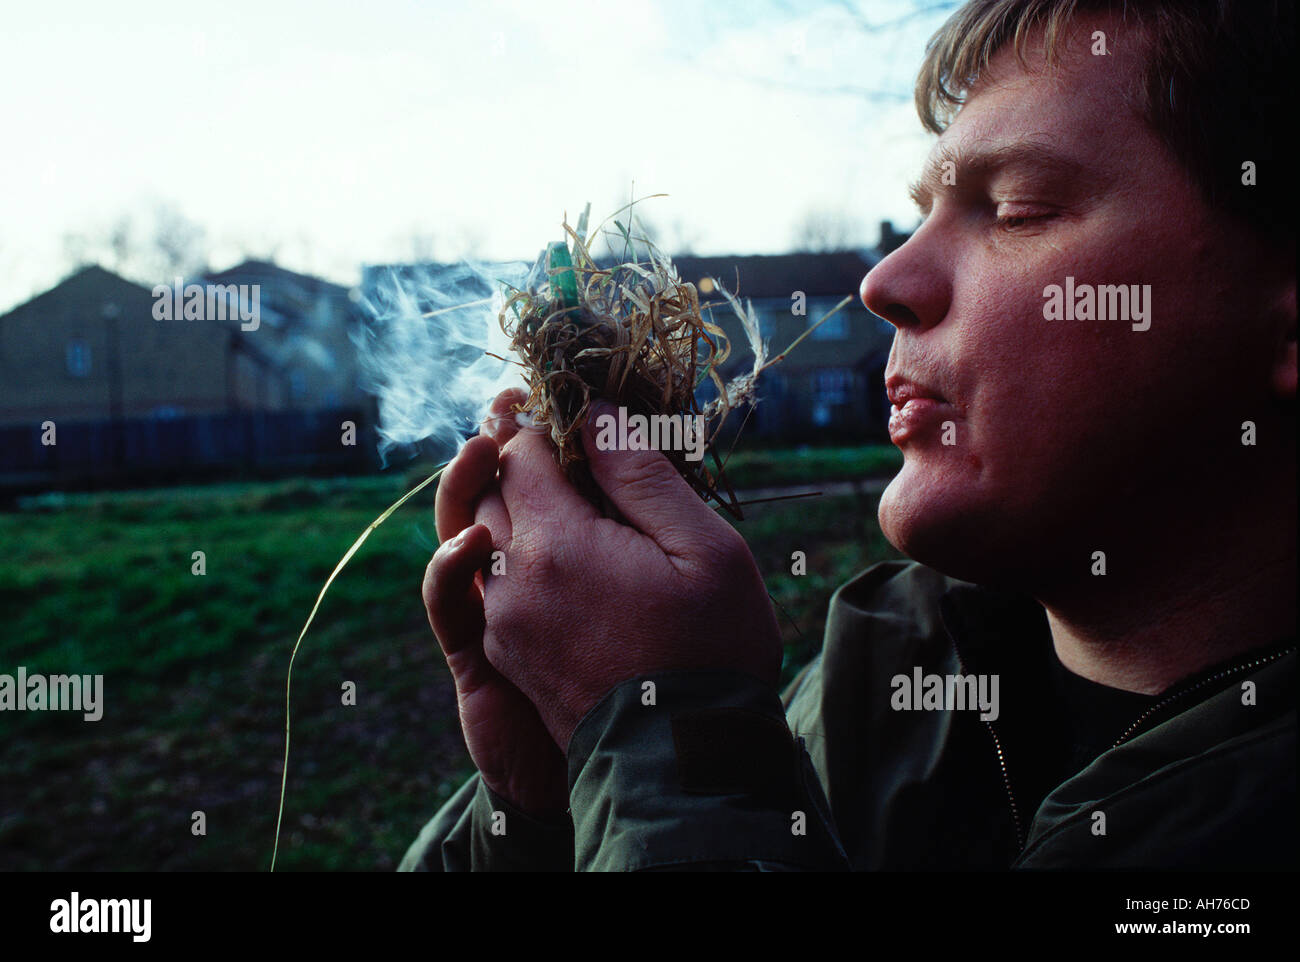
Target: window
(832, 385)
(78, 357)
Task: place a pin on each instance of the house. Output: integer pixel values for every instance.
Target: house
(891, 239)
(132, 394)
(89, 349)
(304, 330)
(831, 386)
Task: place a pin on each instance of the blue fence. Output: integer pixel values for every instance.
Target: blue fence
(163, 448)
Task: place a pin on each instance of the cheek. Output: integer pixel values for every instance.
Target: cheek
(1019, 376)
(1042, 399)
(1061, 407)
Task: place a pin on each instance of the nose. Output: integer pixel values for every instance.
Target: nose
(910, 288)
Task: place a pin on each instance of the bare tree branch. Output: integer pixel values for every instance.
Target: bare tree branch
(826, 230)
(917, 13)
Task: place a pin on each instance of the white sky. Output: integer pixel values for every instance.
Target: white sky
(332, 132)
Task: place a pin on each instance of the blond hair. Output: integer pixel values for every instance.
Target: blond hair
(1213, 86)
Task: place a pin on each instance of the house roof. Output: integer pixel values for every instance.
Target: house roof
(779, 275)
(96, 282)
(761, 275)
(90, 276)
(865, 342)
(771, 281)
(259, 269)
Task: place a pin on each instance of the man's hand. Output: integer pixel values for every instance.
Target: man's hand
(587, 602)
(512, 749)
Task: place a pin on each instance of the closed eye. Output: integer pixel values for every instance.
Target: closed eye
(1019, 221)
(1014, 223)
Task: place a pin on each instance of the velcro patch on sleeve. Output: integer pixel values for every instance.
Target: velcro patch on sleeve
(733, 751)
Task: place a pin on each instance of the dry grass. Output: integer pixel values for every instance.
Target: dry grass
(634, 335)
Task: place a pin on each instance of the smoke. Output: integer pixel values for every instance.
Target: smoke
(423, 351)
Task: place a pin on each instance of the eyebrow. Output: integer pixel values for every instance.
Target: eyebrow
(983, 162)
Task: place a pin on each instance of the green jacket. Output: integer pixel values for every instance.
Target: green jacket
(709, 776)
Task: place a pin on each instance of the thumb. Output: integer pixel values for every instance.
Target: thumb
(645, 487)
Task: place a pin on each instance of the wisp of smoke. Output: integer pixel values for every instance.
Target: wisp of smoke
(425, 352)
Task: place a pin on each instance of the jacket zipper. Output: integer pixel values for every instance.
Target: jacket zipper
(1218, 676)
(1006, 782)
(1128, 732)
(1002, 763)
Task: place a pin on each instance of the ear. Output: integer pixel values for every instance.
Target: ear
(1284, 361)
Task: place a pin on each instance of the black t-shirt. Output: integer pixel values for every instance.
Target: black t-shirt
(1072, 721)
(1052, 723)
(1059, 730)
(1092, 716)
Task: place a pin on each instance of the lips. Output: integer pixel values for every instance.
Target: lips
(901, 390)
(916, 408)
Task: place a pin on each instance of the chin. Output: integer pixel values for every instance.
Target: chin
(943, 525)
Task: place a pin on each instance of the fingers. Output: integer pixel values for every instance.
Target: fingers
(461, 485)
(491, 511)
(501, 422)
(475, 466)
(649, 492)
(451, 598)
(534, 486)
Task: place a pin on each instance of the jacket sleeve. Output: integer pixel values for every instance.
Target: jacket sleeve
(478, 831)
(696, 770)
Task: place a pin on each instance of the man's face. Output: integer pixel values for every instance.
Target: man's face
(1064, 433)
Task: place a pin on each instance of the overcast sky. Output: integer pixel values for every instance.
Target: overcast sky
(333, 133)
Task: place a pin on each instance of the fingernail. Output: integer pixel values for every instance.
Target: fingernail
(490, 425)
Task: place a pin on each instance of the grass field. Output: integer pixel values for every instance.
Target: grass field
(194, 666)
